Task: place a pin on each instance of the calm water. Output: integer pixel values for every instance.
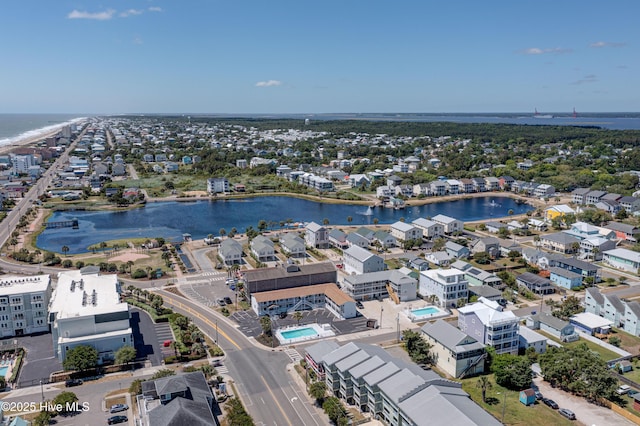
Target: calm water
(200, 218)
(18, 126)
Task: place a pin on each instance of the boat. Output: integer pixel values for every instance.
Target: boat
(536, 114)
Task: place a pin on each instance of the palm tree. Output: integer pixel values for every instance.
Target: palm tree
(375, 221)
(325, 221)
(222, 232)
(130, 265)
(65, 250)
(349, 219)
(265, 323)
(484, 385)
(148, 269)
(297, 315)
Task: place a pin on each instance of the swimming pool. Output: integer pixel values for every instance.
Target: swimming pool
(3, 371)
(301, 332)
(429, 310)
(425, 313)
(295, 334)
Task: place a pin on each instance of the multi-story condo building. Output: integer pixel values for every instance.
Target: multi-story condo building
(377, 285)
(86, 309)
(23, 305)
(486, 322)
(217, 185)
(447, 285)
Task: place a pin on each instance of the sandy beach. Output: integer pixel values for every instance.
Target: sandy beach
(28, 140)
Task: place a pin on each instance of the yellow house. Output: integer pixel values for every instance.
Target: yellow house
(558, 211)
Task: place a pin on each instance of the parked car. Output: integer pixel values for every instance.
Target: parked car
(632, 393)
(228, 301)
(118, 407)
(551, 403)
(538, 395)
(72, 382)
(567, 413)
(359, 305)
(221, 302)
(117, 419)
(622, 389)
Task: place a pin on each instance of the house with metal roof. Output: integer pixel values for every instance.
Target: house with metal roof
(530, 339)
(430, 228)
(404, 231)
(453, 351)
(288, 276)
(397, 392)
(586, 269)
(489, 324)
(535, 283)
(262, 248)
(624, 231)
(564, 278)
(185, 399)
(230, 252)
(358, 260)
(376, 285)
(448, 286)
(555, 326)
(624, 259)
(450, 224)
(292, 245)
(316, 235)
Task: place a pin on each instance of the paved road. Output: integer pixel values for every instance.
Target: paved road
(270, 395)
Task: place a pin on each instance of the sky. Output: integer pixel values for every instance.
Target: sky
(345, 56)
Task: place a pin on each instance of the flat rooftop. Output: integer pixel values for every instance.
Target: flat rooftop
(78, 295)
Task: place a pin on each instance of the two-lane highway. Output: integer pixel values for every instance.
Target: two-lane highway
(261, 378)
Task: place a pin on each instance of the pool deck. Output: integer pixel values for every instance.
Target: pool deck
(320, 333)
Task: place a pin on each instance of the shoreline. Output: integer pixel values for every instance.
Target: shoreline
(22, 141)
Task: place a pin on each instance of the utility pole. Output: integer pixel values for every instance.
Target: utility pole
(398, 327)
(381, 310)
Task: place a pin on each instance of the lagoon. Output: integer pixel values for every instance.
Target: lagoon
(172, 219)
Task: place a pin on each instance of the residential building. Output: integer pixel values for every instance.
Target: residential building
(589, 323)
(451, 225)
(565, 278)
(530, 339)
(555, 326)
(430, 229)
(385, 239)
(578, 195)
(86, 309)
(438, 188)
(593, 197)
(560, 210)
(630, 204)
(439, 258)
(623, 259)
(489, 245)
(608, 306)
(495, 227)
(623, 231)
(405, 232)
(355, 239)
(292, 245)
(185, 399)
(593, 247)
(338, 239)
(23, 304)
(358, 260)
(396, 392)
(466, 186)
(486, 322)
(544, 191)
(476, 276)
(453, 351)
(456, 251)
(492, 183)
(316, 236)
(288, 276)
(263, 248)
(535, 283)
(560, 242)
(631, 323)
(379, 285)
(310, 297)
(453, 186)
(582, 230)
(230, 252)
(448, 285)
(217, 185)
(586, 269)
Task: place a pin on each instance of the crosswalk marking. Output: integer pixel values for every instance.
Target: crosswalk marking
(222, 369)
(293, 354)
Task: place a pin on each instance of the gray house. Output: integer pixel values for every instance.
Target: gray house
(230, 252)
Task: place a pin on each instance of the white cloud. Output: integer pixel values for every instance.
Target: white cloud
(268, 83)
(99, 16)
(155, 9)
(137, 40)
(130, 12)
(599, 44)
(538, 51)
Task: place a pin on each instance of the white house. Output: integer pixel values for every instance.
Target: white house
(448, 285)
(430, 229)
(217, 185)
(624, 259)
(358, 260)
(453, 351)
(262, 248)
(405, 232)
(450, 224)
(316, 236)
(86, 309)
(486, 322)
(292, 245)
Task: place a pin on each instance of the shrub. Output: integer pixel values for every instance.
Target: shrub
(139, 273)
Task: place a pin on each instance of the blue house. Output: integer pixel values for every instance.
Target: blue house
(565, 278)
(528, 396)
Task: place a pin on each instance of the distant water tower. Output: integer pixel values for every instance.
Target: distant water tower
(306, 121)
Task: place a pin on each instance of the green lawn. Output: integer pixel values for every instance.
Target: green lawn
(515, 413)
(606, 354)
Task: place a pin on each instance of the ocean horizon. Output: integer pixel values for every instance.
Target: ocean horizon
(17, 127)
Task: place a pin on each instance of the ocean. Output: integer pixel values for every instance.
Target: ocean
(14, 127)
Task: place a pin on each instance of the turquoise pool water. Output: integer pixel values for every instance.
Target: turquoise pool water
(429, 310)
(3, 371)
(301, 332)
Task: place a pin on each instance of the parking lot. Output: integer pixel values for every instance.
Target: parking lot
(249, 323)
(39, 362)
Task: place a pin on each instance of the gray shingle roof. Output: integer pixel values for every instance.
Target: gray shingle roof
(597, 296)
(450, 337)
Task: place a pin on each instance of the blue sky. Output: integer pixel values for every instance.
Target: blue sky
(271, 56)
